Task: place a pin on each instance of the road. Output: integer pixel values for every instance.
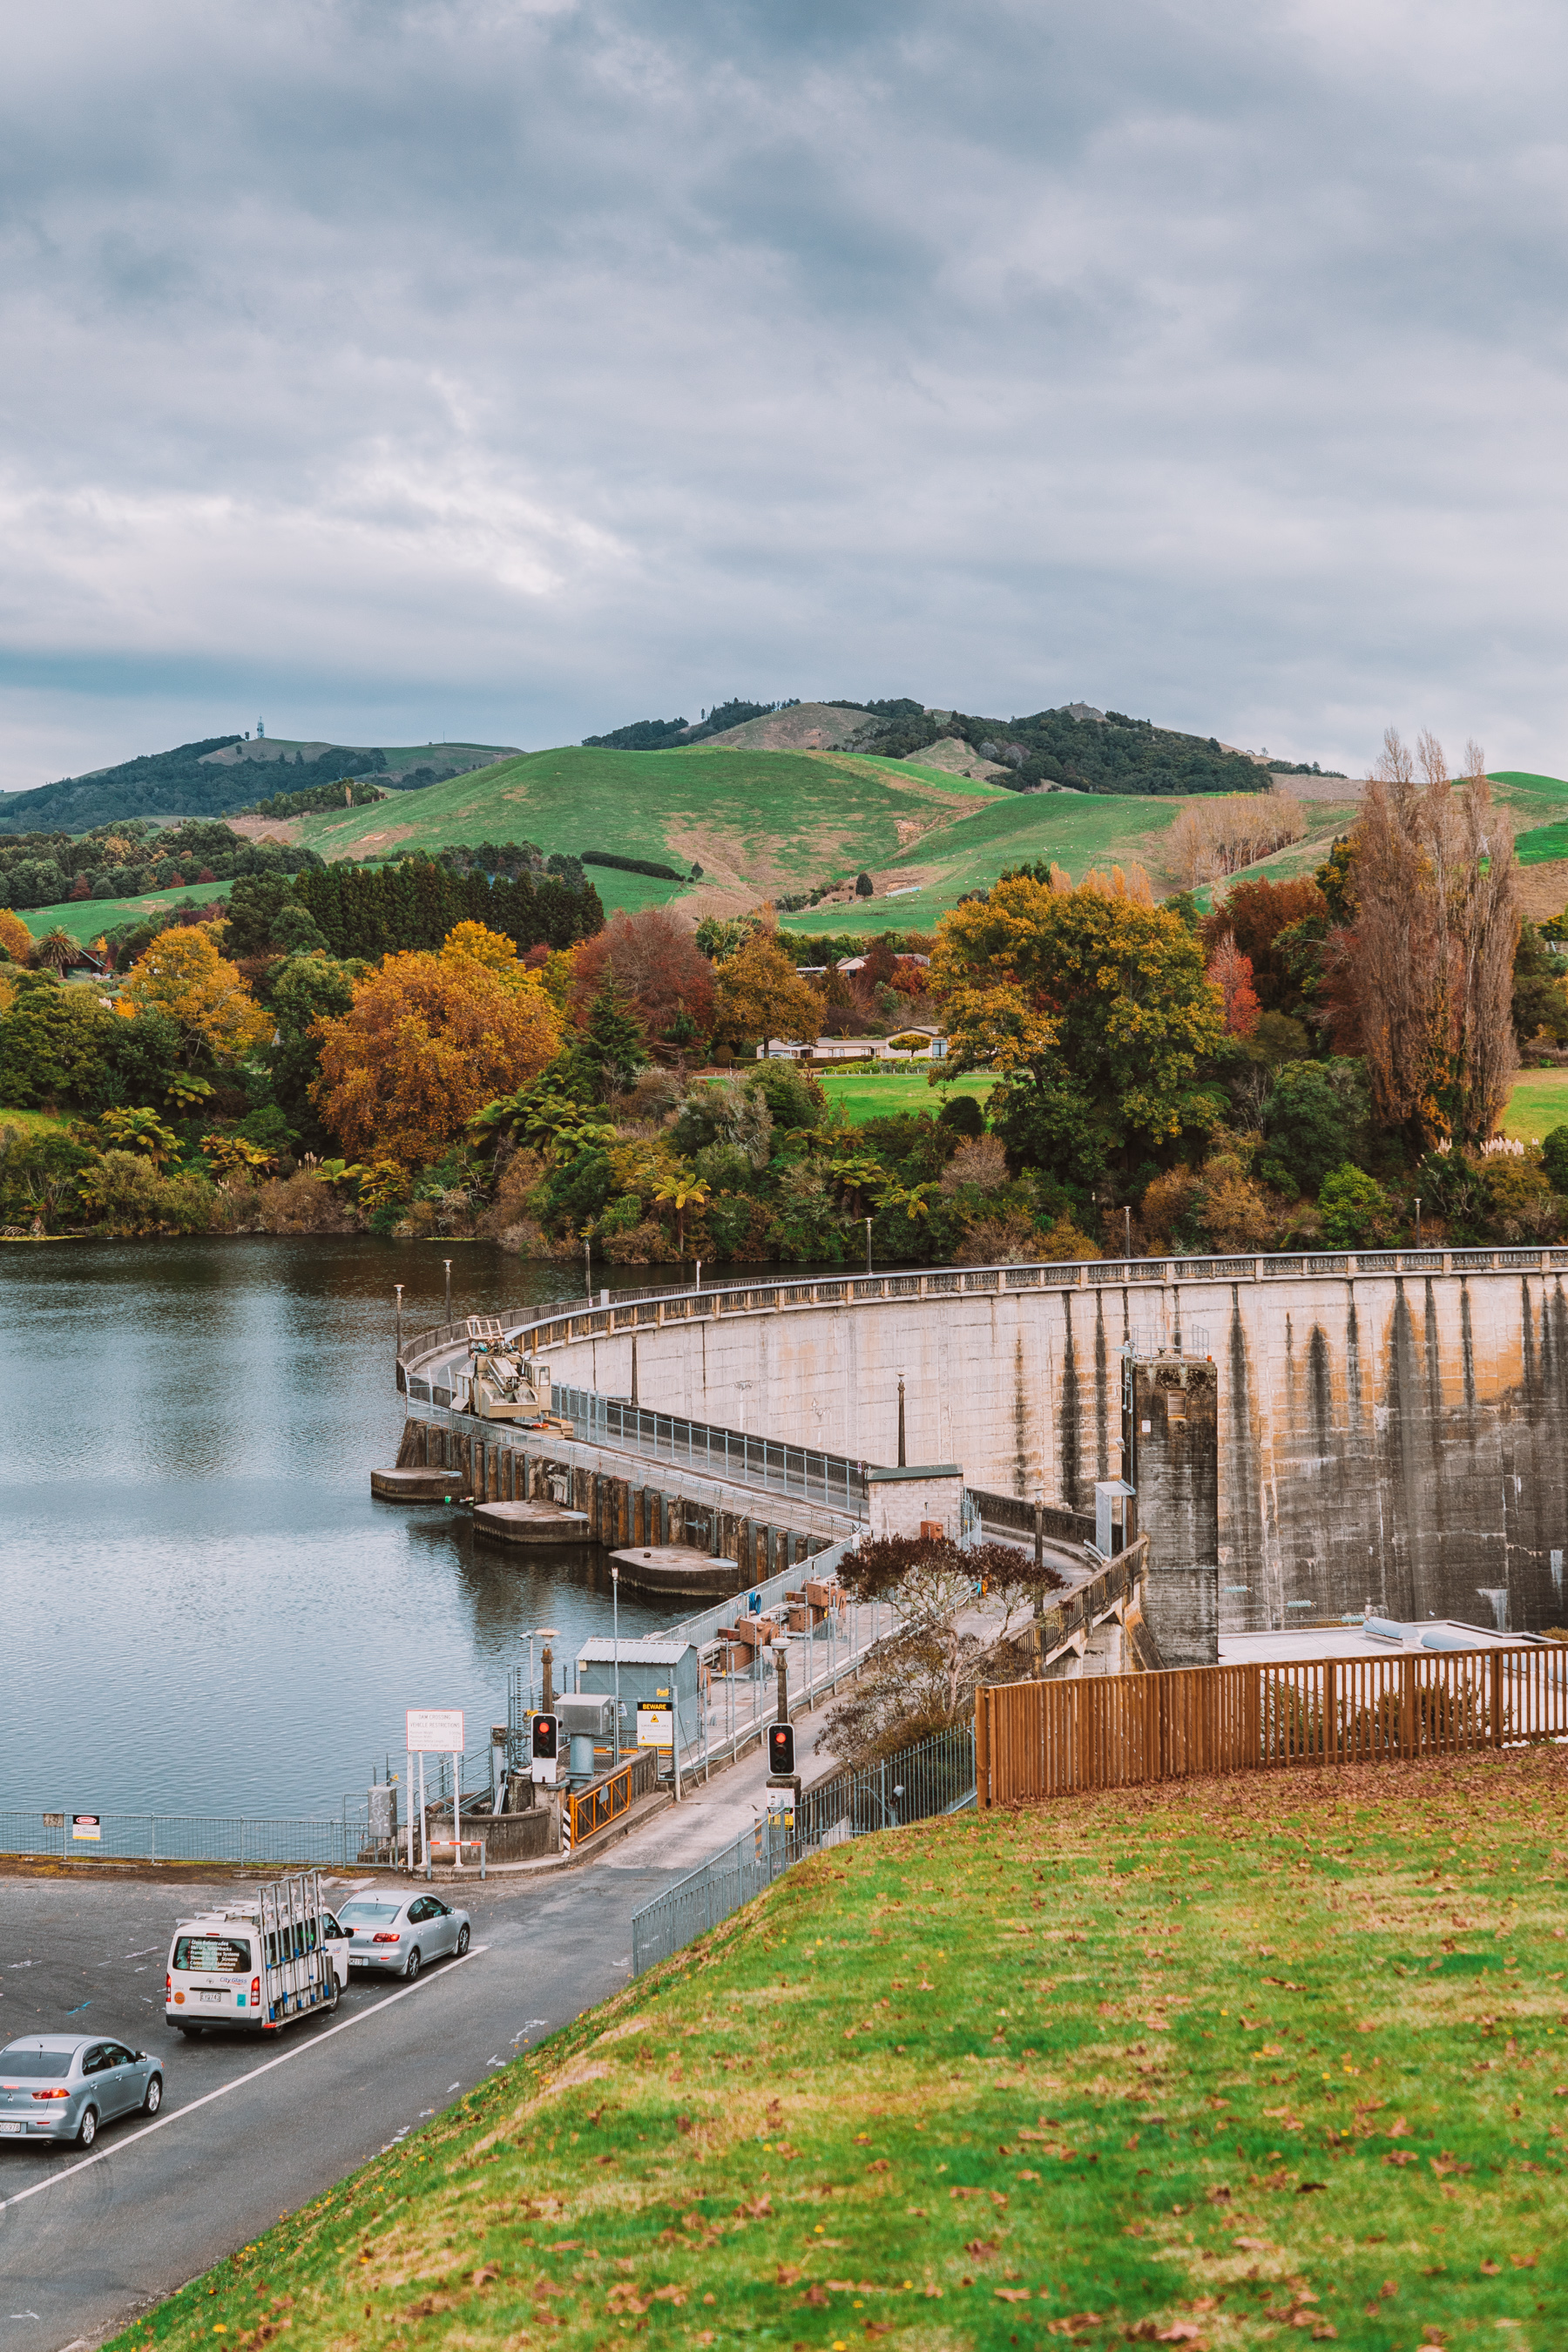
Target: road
(251, 2130)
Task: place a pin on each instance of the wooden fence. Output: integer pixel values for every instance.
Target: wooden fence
(1035, 1739)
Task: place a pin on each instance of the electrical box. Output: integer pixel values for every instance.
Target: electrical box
(584, 1714)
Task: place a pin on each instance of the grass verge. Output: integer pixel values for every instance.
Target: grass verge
(1539, 1103)
(861, 1094)
(1272, 2061)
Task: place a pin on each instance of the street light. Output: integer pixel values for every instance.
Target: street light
(615, 1616)
(1417, 1219)
(398, 1287)
(901, 1420)
(448, 1264)
(588, 1269)
(867, 1244)
(545, 1633)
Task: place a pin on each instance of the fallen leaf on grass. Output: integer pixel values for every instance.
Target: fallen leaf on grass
(1523, 2262)
(1080, 2319)
(788, 2273)
(1398, 2129)
(1012, 2293)
(1443, 2164)
(669, 2294)
(1404, 2156)
(815, 2295)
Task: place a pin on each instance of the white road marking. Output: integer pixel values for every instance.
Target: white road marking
(453, 2086)
(177, 2115)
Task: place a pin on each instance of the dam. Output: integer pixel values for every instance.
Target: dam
(1388, 1427)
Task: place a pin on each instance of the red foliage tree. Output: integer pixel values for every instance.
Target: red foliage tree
(1231, 973)
(1254, 914)
(657, 962)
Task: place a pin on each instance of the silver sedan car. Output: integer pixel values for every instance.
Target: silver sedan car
(398, 1935)
(63, 2085)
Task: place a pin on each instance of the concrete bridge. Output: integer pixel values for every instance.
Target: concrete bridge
(1386, 1427)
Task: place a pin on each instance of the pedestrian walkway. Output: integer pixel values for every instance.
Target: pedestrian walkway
(714, 1813)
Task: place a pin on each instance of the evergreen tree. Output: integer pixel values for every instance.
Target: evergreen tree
(615, 1041)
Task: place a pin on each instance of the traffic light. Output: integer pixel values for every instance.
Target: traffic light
(545, 1738)
(781, 1750)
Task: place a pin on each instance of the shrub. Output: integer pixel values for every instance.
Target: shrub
(302, 1203)
(1353, 1207)
(1555, 1159)
(125, 1193)
(963, 1115)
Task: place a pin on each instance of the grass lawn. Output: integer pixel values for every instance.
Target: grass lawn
(1539, 1103)
(862, 1095)
(89, 919)
(1224, 2065)
(34, 1123)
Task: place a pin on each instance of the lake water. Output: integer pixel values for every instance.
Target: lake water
(201, 1608)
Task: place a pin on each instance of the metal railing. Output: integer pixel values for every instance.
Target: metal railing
(730, 1453)
(628, 1311)
(937, 1776)
(586, 1812)
(242, 1840)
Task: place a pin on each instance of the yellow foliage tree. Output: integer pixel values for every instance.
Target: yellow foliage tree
(491, 950)
(15, 937)
(427, 1040)
(182, 974)
(760, 995)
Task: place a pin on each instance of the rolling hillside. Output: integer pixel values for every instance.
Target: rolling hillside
(222, 773)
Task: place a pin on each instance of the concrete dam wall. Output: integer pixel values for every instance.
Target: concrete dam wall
(1396, 1435)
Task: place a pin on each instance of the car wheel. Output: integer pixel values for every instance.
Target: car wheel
(86, 2130)
(411, 1965)
(333, 1987)
(462, 1941)
(154, 2098)
(191, 2033)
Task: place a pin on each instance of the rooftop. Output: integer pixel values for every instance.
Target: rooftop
(1371, 1638)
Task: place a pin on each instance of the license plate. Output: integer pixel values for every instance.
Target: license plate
(11, 2128)
(213, 1995)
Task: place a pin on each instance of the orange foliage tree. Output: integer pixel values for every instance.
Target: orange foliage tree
(182, 974)
(760, 995)
(659, 966)
(428, 1041)
(1231, 972)
(15, 937)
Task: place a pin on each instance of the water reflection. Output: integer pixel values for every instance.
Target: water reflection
(203, 1609)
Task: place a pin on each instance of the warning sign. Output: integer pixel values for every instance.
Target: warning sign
(656, 1727)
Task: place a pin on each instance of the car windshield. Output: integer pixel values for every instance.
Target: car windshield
(49, 2064)
(223, 1955)
(369, 1912)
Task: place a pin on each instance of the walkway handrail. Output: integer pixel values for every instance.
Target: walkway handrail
(586, 1812)
(644, 1310)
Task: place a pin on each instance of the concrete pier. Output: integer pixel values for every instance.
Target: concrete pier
(419, 1485)
(532, 1523)
(681, 1571)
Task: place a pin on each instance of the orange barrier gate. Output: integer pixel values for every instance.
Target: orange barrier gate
(1035, 1739)
(586, 1812)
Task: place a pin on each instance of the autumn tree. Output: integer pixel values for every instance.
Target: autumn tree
(1423, 975)
(1095, 1012)
(1231, 972)
(654, 961)
(183, 975)
(760, 995)
(1263, 918)
(16, 939)
(427, 1040)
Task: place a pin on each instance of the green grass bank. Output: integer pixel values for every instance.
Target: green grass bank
(1239, 2064)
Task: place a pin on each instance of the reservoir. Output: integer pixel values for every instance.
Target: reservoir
(203, 1608)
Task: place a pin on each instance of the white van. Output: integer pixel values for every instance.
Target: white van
(259, 1962)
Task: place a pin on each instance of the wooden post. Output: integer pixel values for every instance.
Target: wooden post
(1496, 1697)
(982, 1749)
(1331, 1709)
(1408, 1706)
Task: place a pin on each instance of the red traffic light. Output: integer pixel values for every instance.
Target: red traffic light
(780, 1751)
(544, 1735)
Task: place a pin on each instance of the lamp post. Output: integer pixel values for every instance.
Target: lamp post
(867, 1244)
(901, 1420)
(1417, 1219)
(616, 1620)
(448, 1264)
(1127, 1212)
(399, 1288)
(545, 1634)
(588, 1269)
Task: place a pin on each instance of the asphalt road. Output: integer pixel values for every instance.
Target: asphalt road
(250, 2130)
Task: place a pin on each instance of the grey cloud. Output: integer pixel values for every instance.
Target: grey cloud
(523, 369)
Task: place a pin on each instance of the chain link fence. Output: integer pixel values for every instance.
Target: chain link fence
(936, 1776)
(242, 1840)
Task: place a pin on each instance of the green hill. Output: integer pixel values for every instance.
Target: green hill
(224, 773)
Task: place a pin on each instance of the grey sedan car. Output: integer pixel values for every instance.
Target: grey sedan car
(399, 1935)
(63, 2085)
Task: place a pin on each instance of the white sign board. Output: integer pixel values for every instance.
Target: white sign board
(656, 1727)
(87, 1825)
(435, 1730)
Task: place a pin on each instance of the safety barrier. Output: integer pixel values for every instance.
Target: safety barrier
(586, 1812)
(1038, 1739)
(243, 1840)
(936, 1776)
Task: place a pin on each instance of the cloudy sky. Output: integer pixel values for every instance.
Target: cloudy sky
(395, 369)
